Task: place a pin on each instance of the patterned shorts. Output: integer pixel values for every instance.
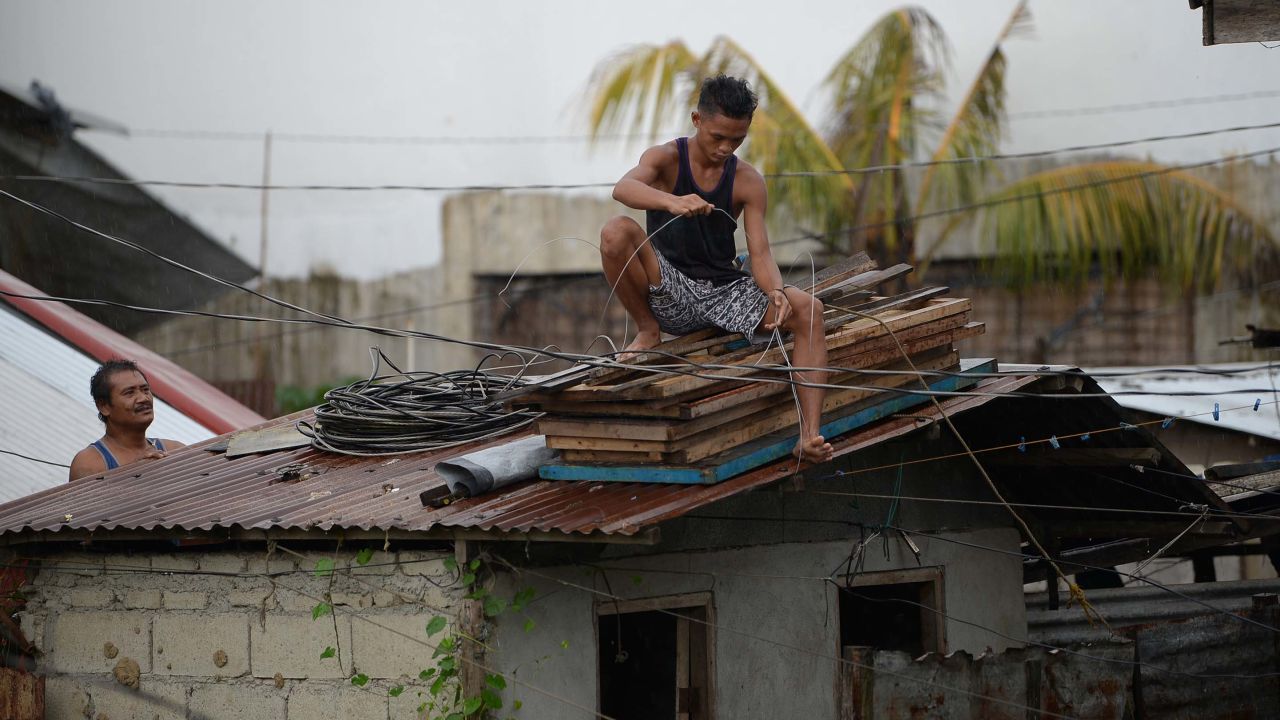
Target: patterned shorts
(683, 304)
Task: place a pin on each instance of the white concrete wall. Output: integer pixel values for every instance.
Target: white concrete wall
(87, 613)
(760, 620)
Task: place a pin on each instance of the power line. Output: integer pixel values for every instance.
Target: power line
(875, 169)
(368, 139)
(33, 459)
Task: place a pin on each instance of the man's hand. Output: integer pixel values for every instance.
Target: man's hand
(781, 309)
(690, 205)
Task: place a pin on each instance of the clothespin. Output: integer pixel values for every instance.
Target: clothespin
(1084, 437)
(1022, 444)
(1257, 403)
(1167, 422)
(1053, 442)
(1127, 426)
(1217, 412)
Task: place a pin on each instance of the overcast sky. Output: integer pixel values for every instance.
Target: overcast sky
(518, 68)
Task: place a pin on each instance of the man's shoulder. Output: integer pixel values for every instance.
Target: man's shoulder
(87, 462)
(667, 152)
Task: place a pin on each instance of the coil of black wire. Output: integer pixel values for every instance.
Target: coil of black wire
(406, 412)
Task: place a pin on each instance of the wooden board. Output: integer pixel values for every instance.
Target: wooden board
(655, 386)
(757, 453)
(668, 430)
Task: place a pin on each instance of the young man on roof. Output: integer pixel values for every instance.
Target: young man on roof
(682, 278)
(126, 407)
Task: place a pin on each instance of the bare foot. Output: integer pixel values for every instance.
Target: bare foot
(644, 340)
(814, 449)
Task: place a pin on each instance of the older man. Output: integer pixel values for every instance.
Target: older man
(126, 408)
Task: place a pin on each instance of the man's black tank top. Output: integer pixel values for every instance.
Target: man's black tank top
(702, 246)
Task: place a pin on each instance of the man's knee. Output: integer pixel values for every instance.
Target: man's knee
(618, 236)
(806, 312)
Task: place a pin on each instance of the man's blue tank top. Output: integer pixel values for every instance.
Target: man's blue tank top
(112, 463)
(702, 246)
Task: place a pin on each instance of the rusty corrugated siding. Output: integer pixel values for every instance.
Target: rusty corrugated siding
(195, 489)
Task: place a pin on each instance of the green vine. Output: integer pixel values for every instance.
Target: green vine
(440, 684)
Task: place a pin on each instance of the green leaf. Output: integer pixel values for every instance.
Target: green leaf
(517, 704)
(470, 705)
(396, 691)
(427, 674)
(468, 578)
(494, 606)
(477, 594)
(474, 564)
(564, 644)
(436, 625)
(328, 653)
(496, 681)
(448, 665)
(490, 699)
(320, 610)
(364, 556)
(422, 707)
(453, 716)
(437, 686)
(324, 567)
(450, 564)
(528, 624)
(637, 580)
(360, 680)
(522, 598)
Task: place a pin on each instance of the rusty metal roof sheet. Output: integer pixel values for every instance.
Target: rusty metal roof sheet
(195, 489)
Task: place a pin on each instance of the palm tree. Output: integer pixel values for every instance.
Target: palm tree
(881, 100)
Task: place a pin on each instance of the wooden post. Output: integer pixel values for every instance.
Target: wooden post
(471, 624)
(857, 683)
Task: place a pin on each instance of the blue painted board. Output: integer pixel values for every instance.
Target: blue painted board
(763, 451)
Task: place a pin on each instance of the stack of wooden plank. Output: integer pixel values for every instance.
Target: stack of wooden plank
(669, 420)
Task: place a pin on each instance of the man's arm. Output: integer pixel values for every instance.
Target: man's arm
(86, 462)
(764, 269)
(637, 188)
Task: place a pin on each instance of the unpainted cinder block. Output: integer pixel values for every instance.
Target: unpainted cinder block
(432, 564)
(153, 700)
(222, 563)
(391, 646)
(77, 564)
(65, 698)
(236, 701)
(291, 645)
(32, 626)
(259, 565)
(89, 597)
(187, 644)
(185, 600)
(313, 701)
(76, 641)
(381, 563)
(125, 564)
(174, 563)
(142, 599)
(251, 598)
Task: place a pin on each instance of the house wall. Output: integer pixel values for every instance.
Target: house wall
(777, 625)
(174, 614)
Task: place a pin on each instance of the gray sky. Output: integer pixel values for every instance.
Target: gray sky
(507, 67)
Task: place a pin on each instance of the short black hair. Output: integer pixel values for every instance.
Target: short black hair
(728, 96)
(100, 383)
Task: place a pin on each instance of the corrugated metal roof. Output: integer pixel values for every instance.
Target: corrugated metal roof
(196, 398)
(47, 412)
(1223, 389)
(200, 490)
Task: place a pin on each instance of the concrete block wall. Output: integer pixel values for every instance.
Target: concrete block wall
(208, 635)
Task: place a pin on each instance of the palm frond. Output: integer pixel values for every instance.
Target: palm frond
(975, 130)
(1127, 218)
(640, 89)
(881, 91)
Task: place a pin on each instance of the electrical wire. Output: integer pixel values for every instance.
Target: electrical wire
(33, 459)
(410, 412)
(874, 169)
(366, 139)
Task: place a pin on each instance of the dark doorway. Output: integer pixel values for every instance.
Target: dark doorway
(654, 663)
